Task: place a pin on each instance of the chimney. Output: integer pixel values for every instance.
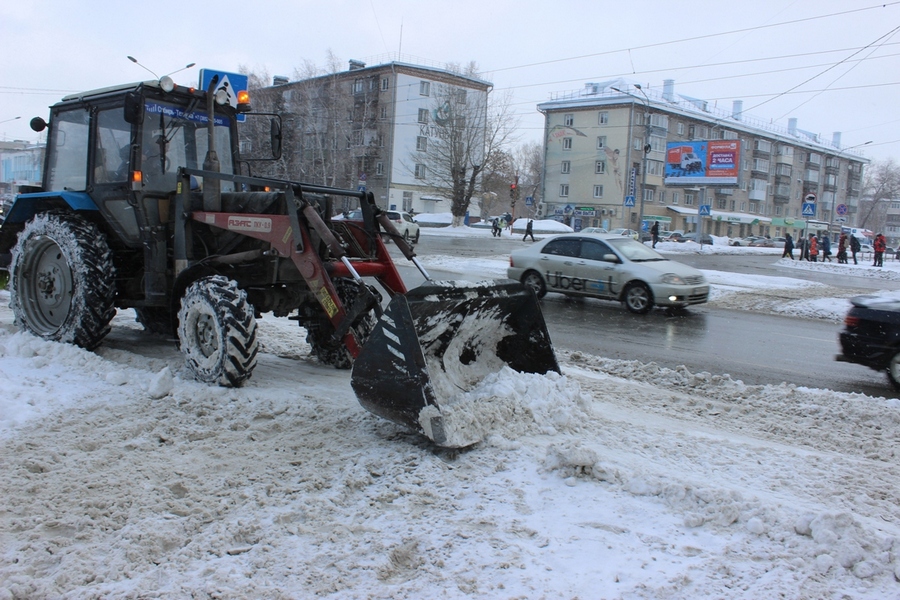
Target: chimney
(737, 108)
(669, 89)
(279, 80)
(355, 65)
(792, 126)
(836, 139)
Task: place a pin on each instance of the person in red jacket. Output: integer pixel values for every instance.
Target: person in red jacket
(879, 245)
(813, 248)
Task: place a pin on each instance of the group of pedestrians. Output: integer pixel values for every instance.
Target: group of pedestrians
(812, 247)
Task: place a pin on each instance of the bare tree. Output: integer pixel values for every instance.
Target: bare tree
(468, 137)
(881, 184)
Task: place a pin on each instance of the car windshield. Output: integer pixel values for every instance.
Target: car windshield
(635, 251)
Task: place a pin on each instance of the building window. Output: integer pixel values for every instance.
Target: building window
(815, 159)
(420, 171)
(385, 82)
(761, 164)
(600, 167)
(688, 199)
(461, 96)
(662, 196)
(783, 170)
(661, 121)
(598, 191)
(656, 167)
(358, 86)
(424, 88)
(648, 195)
(764, 146)
(379, 168)
(422, 143)
(567, 143)
(680, 128)
(569, 120)
(638, 144)
(384, 113)
(603, 118)
(657, 143)
(564, 190)
(674, 197)
(601, 142)
(565, 167)
(423, 115)
(721, 203)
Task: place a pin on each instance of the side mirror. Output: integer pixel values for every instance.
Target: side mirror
(610, 258)
(276, 135)
(134, 108)
(38, 124)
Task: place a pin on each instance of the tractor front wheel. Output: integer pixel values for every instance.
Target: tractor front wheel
(217, 332)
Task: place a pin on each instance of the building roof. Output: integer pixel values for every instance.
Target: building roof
(617, 91)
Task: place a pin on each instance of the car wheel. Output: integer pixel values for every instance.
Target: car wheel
(638, 298)
(534, 281)
(893, 371)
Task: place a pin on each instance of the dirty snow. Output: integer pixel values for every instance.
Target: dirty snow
(123, 478)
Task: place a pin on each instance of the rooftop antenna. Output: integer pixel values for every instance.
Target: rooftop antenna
(135, 61)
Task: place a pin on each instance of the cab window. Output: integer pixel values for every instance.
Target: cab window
(68, 145)
(563, 247)
(594, 250)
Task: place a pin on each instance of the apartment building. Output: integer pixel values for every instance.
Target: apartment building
(374, 128)
(609, 152)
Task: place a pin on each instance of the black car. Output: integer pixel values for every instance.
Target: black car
(871, 335)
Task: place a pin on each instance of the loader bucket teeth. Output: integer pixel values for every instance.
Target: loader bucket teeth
(439, 341)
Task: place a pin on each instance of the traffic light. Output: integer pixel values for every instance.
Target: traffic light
(512, 190)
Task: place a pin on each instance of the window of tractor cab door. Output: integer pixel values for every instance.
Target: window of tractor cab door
(112, 147)
(67, 159)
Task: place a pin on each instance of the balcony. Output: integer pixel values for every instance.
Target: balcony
(757, 194)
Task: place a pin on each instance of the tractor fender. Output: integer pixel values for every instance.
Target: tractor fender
(26, 206)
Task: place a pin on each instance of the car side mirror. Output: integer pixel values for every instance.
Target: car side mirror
(610, 258)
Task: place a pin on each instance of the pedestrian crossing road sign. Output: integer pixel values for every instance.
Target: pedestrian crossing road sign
(809, 209)
(704, 210)
(629, 200)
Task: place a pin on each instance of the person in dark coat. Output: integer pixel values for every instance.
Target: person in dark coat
(826, 248)
(842, 249)
(854, 247)
(529, 230)
(654, 233)
(495, 227)
(788, 247)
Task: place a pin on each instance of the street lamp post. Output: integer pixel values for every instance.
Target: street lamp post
(8, 120)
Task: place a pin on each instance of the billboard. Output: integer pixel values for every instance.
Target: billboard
(714, 163)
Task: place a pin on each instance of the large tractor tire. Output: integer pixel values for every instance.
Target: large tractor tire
(217, 332)
(62, 280)
(319, 333)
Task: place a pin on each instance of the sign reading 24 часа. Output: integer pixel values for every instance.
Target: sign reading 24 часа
(706, 162)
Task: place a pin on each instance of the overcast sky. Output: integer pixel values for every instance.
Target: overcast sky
(832, 64)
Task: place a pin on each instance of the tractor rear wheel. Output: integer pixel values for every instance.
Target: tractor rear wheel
(62, 280)
(217, 332)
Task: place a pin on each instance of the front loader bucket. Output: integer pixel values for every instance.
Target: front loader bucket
(439, 341)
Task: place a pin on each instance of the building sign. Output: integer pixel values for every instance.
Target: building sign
(714, 163)
(584, 211)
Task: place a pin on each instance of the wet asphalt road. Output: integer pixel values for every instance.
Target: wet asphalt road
(755, 348)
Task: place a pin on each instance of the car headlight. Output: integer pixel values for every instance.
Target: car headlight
(672, 279)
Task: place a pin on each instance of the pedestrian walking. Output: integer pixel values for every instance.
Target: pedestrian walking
(879, 245)
(529, 230)
(654, 233)
(826, 248)
(495, 227)
(854, 247)
(804, 247)
(813, 248)
(842, 249)
(788, 247)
